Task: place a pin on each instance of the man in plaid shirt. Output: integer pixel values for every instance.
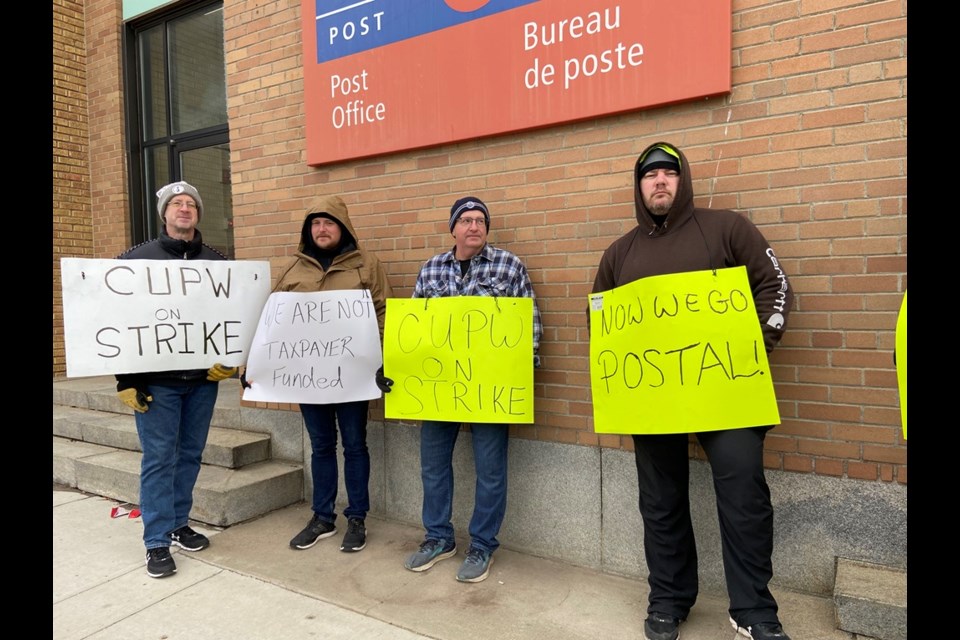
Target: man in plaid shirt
(471, 268)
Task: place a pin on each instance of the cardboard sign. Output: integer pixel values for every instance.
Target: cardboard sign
(321, 347)
(901, 358)
(679, 353)
(460, 359)
(134, 316)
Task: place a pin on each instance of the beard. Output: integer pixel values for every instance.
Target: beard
(660, 207)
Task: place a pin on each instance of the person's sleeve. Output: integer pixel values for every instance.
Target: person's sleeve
(418, 286)
(603, 281)
(380, 292)
(772, 293)
(282, 284)
(130, 381)
(523, 288)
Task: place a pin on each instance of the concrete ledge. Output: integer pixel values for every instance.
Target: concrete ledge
(65, 456)
(228, 448)
(221, 497)
(871, 599)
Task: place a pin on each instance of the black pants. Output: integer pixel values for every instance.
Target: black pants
(744, 510)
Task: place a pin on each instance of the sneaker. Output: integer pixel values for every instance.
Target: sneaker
(761, 631)
(430, 553)
(476, 567)
(356, 537)
(188, 539)
(660, 626)
(160, 563)
(315, 530)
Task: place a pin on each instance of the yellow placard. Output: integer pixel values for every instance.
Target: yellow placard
(679, 353)
(459, 359)
(901, 358)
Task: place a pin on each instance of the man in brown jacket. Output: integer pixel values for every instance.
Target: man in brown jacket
(330, 258)
(673, 235)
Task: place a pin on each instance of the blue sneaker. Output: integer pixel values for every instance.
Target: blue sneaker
(476, 567)
(430, 553)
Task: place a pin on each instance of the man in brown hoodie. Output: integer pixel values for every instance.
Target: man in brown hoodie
(673, 236)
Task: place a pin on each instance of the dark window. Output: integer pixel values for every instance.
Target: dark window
(177, 117)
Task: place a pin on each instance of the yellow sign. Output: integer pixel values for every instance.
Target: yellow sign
(679, 353)
(459, 359)
(901, 360)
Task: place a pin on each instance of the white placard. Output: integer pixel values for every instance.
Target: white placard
(316, 348)
(134, 316)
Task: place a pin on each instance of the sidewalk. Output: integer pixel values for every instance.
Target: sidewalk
(249, 585)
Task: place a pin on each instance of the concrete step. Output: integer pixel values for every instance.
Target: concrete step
(222, 496)
(230, 448)
(100, 394)
(871, 599)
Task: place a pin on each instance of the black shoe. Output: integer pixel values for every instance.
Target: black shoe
(160, 563)
(660, 626)
(188, 539)
(761, 631)
(355, 538)
(315, 530)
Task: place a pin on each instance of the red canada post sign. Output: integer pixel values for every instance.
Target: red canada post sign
(387, 75)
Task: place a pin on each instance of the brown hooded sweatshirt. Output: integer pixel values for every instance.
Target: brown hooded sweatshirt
(696, 239)
(351, 268)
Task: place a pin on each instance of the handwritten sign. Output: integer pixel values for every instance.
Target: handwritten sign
(901, 358)
(679, 353)
(460, 359)
(321, 347)
(133, 316)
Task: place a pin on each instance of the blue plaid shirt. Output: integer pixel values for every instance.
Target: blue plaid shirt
(493, 272)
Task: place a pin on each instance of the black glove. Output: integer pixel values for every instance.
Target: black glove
(134, 398)
(383, 383)
(536, 361)
(243, 380)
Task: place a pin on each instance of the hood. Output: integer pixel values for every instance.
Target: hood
(682, 203)
(331, 207)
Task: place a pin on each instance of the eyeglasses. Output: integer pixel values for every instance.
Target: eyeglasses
(466, 222)
(176, 204)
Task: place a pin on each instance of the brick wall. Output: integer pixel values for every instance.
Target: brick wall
(72, 232)
(811, 143)
(109, 200)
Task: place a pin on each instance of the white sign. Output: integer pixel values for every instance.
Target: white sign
(316, 348)
(134, 316)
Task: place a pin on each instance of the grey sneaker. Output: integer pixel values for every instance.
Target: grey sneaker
(160, 563)
(761, 631)
(315, 530)
(355, 538)
(430, 553)
(476, 567)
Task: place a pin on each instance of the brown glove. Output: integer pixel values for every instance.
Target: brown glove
(219, 372)
(136, 399)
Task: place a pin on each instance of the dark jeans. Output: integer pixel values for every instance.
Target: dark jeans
(490, 441)
(322, 421)
(744, 510)
(173, 433)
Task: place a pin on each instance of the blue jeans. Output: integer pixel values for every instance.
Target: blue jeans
(490, 441)
(321, 421)
(173, 433)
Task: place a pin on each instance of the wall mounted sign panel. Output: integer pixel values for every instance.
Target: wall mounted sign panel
(388, 75)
